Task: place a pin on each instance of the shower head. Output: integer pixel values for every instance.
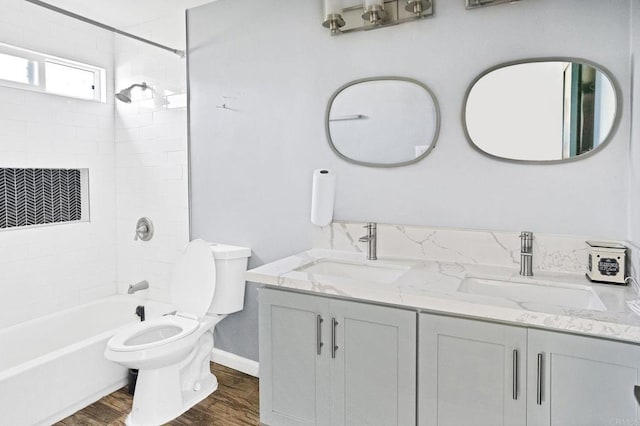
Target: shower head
(125, 94)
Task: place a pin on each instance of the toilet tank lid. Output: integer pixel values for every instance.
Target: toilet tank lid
(226, 252)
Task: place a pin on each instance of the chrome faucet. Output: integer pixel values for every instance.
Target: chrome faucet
(526, 253)
(371, 239)
(142, 285)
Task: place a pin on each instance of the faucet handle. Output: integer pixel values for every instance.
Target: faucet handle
(144, 229)
(141, 230)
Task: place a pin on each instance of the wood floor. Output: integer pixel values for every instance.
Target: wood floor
(235, 403)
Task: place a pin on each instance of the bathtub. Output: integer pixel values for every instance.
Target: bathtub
(52, 366)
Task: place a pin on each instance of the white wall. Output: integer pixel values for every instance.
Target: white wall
(151, 156)
(45, 269)
(277, 66)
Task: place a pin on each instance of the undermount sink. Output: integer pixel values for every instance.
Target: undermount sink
(574, 296)
(371, 272)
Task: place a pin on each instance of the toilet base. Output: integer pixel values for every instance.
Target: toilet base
(162, 394)
(190, 399)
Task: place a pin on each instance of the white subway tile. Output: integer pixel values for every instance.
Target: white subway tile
(60, 265)
(132, 120)
(77, 119)
(12, 128)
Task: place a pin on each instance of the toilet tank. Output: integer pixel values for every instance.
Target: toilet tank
(231, 265)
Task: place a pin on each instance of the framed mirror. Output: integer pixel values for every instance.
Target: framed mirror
(541, 110)
(382, 121)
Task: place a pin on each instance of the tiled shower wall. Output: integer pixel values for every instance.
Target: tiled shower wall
(151, 156)
(49, 268)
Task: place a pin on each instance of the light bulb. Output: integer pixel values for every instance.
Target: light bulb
(373, 11)
(333, 15)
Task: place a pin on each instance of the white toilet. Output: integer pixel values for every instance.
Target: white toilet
(172, 352)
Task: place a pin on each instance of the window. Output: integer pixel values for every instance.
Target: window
(30, 70)
(18, 70)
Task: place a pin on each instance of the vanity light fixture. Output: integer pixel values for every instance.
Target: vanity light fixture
(474, 4)
(344, 16)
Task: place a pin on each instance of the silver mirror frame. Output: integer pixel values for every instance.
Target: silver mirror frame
(605, 142)
(367, 164)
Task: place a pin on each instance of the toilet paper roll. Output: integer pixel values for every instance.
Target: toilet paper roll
(322, 197)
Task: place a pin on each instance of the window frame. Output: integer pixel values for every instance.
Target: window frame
(41, 59)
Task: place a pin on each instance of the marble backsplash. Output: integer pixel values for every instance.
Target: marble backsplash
(553, 253)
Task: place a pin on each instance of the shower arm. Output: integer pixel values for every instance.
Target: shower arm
(143, 86)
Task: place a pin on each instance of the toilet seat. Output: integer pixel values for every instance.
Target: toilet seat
(153, 333)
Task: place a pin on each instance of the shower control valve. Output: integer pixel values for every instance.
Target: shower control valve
(144, 229)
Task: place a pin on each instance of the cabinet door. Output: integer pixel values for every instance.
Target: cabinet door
(581, 381)
(471, 372)
(373, 372)
(294, 378)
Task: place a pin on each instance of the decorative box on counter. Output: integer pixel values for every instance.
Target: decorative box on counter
(607, 262)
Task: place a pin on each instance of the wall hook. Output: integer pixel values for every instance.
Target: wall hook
(224, 106)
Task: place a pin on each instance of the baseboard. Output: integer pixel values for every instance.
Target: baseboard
(235, 362)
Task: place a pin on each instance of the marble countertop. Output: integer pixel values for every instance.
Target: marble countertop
(432, 286)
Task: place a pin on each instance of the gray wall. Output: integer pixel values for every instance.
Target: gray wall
(634, 157)
(275, 66)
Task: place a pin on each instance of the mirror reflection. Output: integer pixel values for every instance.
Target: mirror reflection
(541, 111)
(382, 122)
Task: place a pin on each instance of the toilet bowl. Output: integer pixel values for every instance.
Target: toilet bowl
(172, 352)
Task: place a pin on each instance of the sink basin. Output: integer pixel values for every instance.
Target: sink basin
(566, 295)
(370, 272)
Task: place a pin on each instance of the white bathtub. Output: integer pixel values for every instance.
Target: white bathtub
(52, 366)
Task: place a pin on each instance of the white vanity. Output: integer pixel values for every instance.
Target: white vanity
(412, 340)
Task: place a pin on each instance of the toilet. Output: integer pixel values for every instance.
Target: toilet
(172, 352)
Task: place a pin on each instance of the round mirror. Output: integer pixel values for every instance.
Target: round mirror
(382, 122)
(541, 110)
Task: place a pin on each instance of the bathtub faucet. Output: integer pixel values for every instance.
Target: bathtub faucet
(142, 285)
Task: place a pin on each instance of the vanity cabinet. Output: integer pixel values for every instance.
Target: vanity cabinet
(331, 362)
(325, 361)
(481, 373)
(471, 372)
(576, 380)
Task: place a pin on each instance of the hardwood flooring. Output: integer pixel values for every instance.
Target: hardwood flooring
(235, 403)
